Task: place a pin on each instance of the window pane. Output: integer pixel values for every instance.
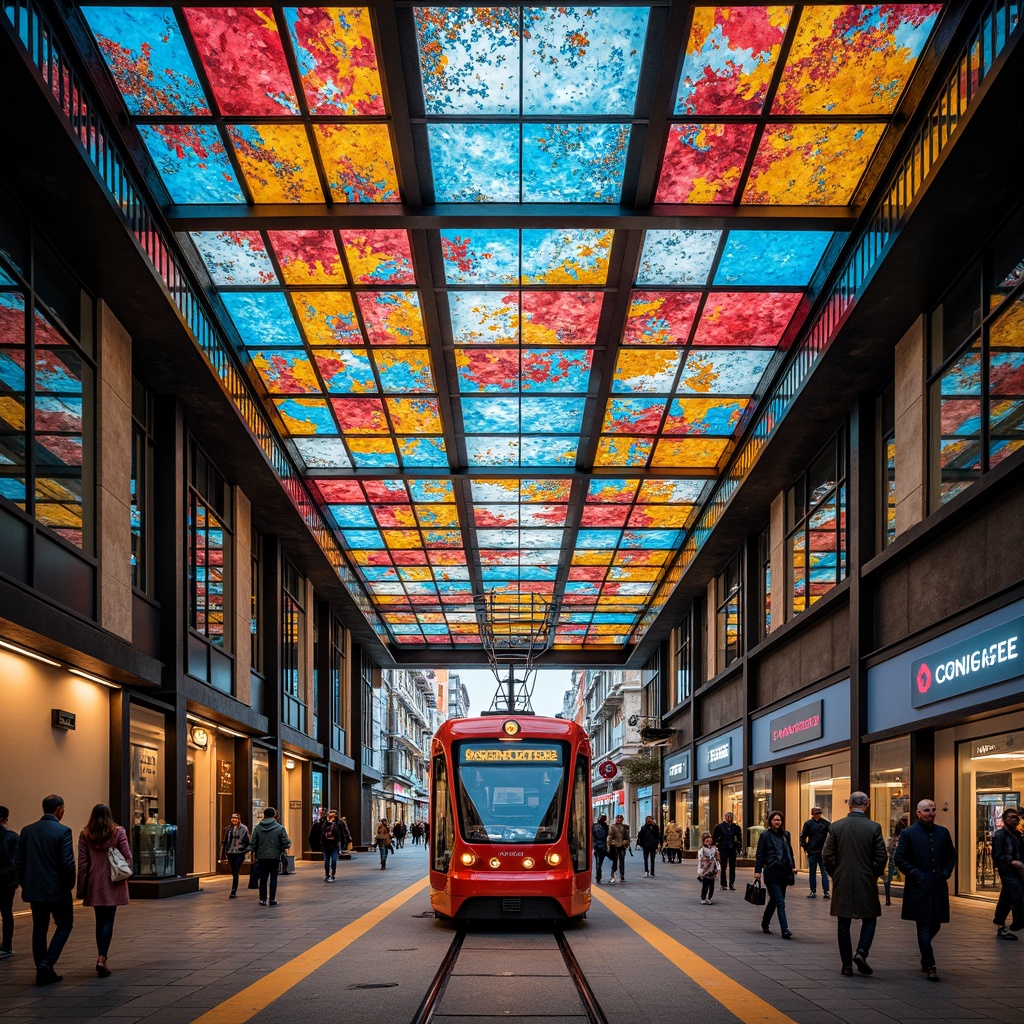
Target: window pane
(960, 424)
(798, 569)
(1006, 383)
(821, 534)
(12, 397)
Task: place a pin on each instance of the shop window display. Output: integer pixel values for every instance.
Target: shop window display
(153, 838)
(889, 765)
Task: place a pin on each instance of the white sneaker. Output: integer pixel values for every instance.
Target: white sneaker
(702, 902)
(647, 874)
(710, 902)
(611, 881)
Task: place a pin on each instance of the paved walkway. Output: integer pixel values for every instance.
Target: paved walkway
(367, 946)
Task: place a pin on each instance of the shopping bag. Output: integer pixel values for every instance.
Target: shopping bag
(756, 894)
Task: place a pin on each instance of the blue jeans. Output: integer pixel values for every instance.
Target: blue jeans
(599, 858)
(926, 931)
(330, 861)
(384, 849)
(814, 861)
(867, 935)
(776, 887)
(63, 912)
(104, 928)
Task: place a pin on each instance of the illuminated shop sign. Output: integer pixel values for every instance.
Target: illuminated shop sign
(987, 658)
(795, 727)
(720, 755)
(477, 754)
(677, 769)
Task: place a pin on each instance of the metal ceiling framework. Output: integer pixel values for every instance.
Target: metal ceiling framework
(518, 369)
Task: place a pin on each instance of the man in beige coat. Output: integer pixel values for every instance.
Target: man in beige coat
(855, 856)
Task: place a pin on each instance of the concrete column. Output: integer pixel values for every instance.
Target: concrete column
(242, 584)
(911, 427)
(777, 539)
(113, 474)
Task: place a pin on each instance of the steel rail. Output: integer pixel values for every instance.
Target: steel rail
(426, 1009)
(590, 1004)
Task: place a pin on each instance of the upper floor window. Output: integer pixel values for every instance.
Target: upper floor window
(209, 551)
(887, 465)
(816, 527)
(256, 604)
(293, 624)
(339, 694)
(764, 588)
(684, 661)
(976, 388)
(729, 625)
(141, 512)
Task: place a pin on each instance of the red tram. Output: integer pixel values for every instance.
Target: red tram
(510, 819)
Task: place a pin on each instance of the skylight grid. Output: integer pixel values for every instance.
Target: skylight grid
(846, 67)
(510, 65)
(254, 104)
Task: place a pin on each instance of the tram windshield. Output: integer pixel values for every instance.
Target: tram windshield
(511, 792)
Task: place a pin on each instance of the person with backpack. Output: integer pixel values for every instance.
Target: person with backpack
(96, 886)
(8, 882)
(599, 834)
(331, 838)
(648, 839)
(269, 843)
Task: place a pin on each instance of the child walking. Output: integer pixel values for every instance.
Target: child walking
(707, 868)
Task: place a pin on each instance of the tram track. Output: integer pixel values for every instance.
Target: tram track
(468, 974)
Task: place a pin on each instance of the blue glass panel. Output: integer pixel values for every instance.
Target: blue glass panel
(490, 415)
(574, 163)
(469, 59)
(306, 416)
(603, 540)
(375, 459)
(234, 257)
(677, 257)
(352, 515)
(263, 319)
(423, 452)
(432, 490)
(475, 163)
(550, 369)
(583, 589)
(652, 540)
(379, 573)
(718, 372)
(582, 60)
(192, 163)
(147, 56)
(566, 256)
(549, 451)
(480, 256)
(771, 258)
(552, 415)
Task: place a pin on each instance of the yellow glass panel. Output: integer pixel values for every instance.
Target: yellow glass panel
(416, 574)
(12, 412)
(690, 452)
(660, 516)
(592, 557)
(414, 415)
(359, 162)
(277, 163)
(402, 539)
(438, 515)
(810, 164)
(328, 318)
(371, 445)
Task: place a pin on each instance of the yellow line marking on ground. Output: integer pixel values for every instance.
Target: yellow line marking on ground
(244, 1005)
(731, 994)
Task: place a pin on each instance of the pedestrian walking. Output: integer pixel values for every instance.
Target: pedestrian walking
(776, 863)
(599, 834)
(417, 832)
(812, 839)
(382, 840)
(854, 854)
(346, 835)
(891, 869)
(398, 834)
(8, 882)
(316, 830)
(673, 843)
(728, 837)
(96, 889)
(926, 856)
(618, 843)
(648, 839)
(269, 843)
(46, 871)
(331, 837)
(233, 849)
(708, 865)
(1008, 857)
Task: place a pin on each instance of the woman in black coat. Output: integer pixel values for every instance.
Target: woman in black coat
(776, 862)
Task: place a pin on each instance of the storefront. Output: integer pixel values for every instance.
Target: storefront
(811, 737)
(153, 838)
(975, 672)
(718, 760)
(675, 787)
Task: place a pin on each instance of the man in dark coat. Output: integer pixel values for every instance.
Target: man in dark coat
(728, 837)
(46, 871)
(1008, 857)
(854, 855)
(599, 833)
(926, 856)
(812, 839)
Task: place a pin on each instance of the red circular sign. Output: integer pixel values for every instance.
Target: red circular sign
(924, 679)
(607, 769)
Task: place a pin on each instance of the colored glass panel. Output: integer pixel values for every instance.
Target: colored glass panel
(285, 371)
(566, 256)
(360, 415)
(328, 318)
(475, 163)
(404, 370)
(148, 58)
(276, 162)
(415, 415)
(345, 371)
(660, 318)
(677, 257)
(730, 57)
(234, 257)
(573, 163)
(241, 51)
(853, 58)
(781, 259)
(704, 415)
(392, 318)
(358, 162)
(723, 371)
(306, 415)
(703, 162)
(810, 164)
(263, 319)
(645, 371)
(379, 257)
(745, 318)
(337, 59)
(192, 162)
(322, 452)
(308, 257)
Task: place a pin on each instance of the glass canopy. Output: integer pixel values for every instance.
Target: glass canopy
(512, 281)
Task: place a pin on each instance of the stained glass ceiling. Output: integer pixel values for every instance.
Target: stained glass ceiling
(512, 280)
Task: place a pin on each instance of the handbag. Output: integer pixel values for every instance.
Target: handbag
(756, 894)
(120, 869)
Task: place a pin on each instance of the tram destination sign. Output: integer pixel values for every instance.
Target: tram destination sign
(481, 753)
(799, 726)
(982, 660)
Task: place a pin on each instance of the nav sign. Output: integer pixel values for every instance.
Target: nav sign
(988, 658)
(799, 726)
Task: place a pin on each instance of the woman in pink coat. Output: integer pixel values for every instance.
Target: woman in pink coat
(94, 885)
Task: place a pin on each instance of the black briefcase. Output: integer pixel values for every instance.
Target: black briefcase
(756, 895)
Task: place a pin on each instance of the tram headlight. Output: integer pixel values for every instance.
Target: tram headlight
(469, 859)
(528, 862)
(494, 862)
(553, 858)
